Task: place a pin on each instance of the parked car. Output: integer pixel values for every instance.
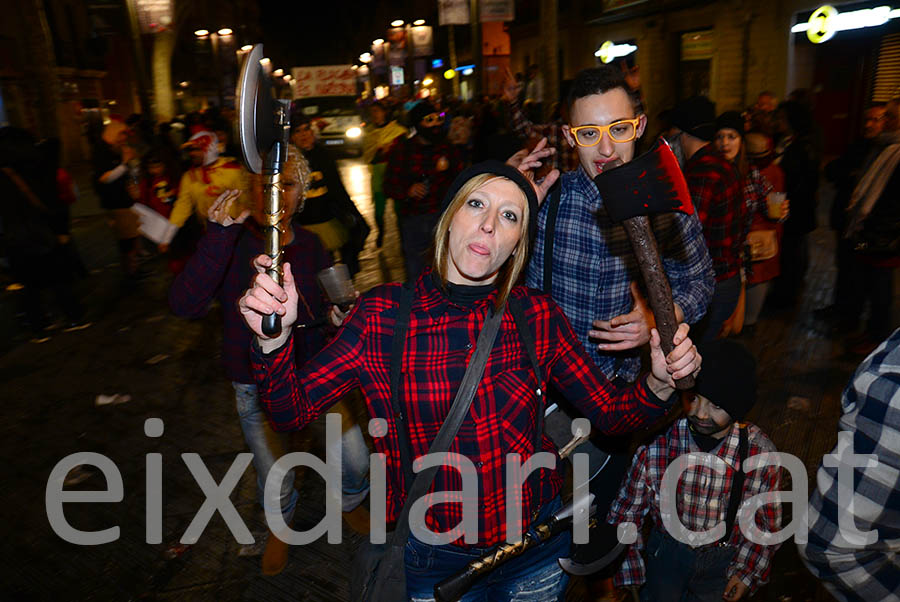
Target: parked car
(336, 120)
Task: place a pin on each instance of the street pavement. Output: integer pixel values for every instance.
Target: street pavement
(169, 368)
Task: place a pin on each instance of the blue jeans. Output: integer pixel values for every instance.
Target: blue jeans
(266, 446)
(724, 300)
(677, 572)
(534, 576)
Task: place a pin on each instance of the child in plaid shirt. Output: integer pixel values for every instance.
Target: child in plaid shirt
(698, 565)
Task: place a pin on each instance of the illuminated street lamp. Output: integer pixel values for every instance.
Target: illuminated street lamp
(427, 81)
(419, 22)
(378, 42)
(225, 31)
(397, 23)
(201, 33)
(247, 48)
(278, 73)
(365, 57)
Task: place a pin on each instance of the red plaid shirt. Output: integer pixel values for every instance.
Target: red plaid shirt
(440, 343)
(701, 499)
(566, 157)
(715, 186)
(409, 162)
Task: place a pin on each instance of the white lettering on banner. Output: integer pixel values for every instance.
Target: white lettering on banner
(326, 80)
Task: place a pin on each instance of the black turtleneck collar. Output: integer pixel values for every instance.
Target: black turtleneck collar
(464, 295)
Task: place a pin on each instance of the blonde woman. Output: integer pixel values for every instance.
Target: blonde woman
(480, 248)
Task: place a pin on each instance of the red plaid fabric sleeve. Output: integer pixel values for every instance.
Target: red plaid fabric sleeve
(503, 416)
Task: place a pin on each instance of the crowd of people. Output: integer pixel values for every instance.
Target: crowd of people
(503, 231)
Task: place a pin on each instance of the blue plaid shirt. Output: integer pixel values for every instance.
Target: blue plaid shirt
(855, 570)
(594, 265)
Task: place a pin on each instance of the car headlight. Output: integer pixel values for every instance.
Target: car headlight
(353, 132)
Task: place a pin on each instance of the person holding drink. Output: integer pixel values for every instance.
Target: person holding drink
(762, 183)
(481, 244)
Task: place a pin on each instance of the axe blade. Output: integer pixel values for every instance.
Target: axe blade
(651, 183)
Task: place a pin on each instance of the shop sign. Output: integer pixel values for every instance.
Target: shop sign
(697, 45)
(498, 10)
(326, 80)
(610, 51)
(421, 37)
(453, 12)
(154, 15)
(827, 21)
(396, 76)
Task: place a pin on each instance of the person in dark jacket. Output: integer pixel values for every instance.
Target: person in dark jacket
(115, 168)
(330, 212)
(801, 179)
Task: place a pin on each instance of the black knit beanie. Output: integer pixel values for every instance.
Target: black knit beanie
(728, 376)
(732, 120)
(498, 168)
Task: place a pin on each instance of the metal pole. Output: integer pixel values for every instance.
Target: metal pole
(549, 61)
(475, 22)
(217, 69)
(140, 70)
(451, 41)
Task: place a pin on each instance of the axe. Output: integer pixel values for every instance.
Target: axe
(651, 183)
(264, 127)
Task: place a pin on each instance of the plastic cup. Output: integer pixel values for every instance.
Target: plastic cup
(337, 285)
(775, 202)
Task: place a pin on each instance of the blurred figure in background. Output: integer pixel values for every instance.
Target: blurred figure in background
(873, 231)
(761, 233)
(844, 172)
(715, 186)
(380, 134)
(419, 172)
(209, 176)
(114, 169)
(793, 123)
(330, 213)
(767, 219)
(159, 183)
(32, 214)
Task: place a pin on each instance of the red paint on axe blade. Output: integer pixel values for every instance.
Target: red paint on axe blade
(654, 176)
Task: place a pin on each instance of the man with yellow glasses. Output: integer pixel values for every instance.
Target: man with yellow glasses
(586, 263)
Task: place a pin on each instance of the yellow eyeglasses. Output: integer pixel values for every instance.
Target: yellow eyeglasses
(619, 131)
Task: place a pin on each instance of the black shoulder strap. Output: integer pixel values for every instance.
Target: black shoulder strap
(407, 292)
(549, 235)
(459, 409)
(737, 484)
(516, 306)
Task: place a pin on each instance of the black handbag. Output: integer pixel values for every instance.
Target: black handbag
(379, 570)
(878, 237)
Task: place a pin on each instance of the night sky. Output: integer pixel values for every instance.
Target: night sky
(316, 32)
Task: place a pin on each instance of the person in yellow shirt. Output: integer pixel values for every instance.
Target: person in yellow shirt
(378, 139)
(209, 177)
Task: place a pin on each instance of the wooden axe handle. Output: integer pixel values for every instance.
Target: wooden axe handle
(658, 290)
